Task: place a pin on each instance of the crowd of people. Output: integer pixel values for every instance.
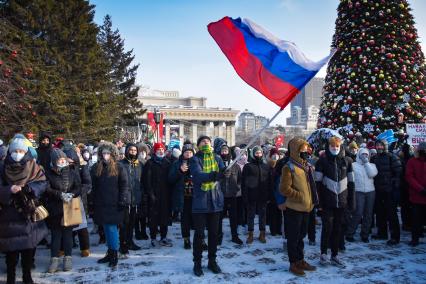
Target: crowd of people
(132, 189)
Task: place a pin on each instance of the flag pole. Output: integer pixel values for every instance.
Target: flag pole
(252, 140)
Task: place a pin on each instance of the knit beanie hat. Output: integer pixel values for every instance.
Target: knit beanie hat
(157, 146)
(353, 145)
(19, 142)
(57, 154)
(203, 137)
(188, 147)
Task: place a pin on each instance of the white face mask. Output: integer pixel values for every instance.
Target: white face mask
(160, 154)
(334, 152)
(94, 159)
(176, 153)
(61, 166)
(86, 156)
(142, 156)
(17, 156)
(275, 157)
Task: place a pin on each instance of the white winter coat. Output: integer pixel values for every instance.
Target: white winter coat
(364, 173)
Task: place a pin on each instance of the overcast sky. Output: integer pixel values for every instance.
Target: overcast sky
(175, 51)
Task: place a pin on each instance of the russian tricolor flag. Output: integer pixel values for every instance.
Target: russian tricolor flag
(274, 67)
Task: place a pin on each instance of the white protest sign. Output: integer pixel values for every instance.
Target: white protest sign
(416, 133)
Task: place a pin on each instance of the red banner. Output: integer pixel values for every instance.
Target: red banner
(153, 126)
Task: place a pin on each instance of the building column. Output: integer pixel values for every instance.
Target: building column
(216, 129)
(222, 128)
(194, 134)
(167, 134)
(232, 130)
(181, 133)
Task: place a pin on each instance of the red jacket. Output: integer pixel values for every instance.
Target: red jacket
(415, 174)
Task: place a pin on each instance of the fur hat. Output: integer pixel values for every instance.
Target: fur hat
(108, 146)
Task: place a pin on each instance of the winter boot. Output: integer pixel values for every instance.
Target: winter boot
(85, 253)
(68, 263)
(237, 240)
(106, 258)
(305, 266)
(133, 246)
(186, 243)
(262, 237)
(249, 238)
(113, 261)
(213, 266)
(53, 266)
(198, 271)
(296, 270)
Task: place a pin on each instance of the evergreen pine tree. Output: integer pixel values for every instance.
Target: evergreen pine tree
(122, 72)
(375, 81)
(78, 92)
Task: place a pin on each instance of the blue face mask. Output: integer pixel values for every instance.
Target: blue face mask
(334, 152)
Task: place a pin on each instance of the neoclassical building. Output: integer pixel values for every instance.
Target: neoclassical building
(189, 117)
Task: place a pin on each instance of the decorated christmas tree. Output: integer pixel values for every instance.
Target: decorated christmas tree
(375, 81)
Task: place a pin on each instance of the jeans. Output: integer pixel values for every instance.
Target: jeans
(298, 222)
(364, 211)
(201, 221)
(186, 219)
(386, 212)
(61, 236)
(111, 236)
(331, 229)
(261, 211)
(230, 206)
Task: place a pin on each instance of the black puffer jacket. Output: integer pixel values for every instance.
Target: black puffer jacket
(67, 180)
(256, 183)
(335, 180)
(389, 169)
(134, 171)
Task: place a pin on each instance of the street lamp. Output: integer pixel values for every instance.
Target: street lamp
(157, 119)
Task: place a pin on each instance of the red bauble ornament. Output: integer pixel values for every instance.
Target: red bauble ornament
(393, 97)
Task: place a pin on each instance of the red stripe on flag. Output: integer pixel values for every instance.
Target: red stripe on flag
(248, 67)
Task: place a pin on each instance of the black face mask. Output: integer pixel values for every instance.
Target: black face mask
(258, 158)
(225, 157)
(44, 146)
(304, 155)
(133, 157)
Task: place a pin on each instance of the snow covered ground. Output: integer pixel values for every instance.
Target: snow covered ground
(258, 263)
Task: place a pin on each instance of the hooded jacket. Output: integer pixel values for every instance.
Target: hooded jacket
(66, 180)
(335, 180)
(389, 171)
(256, 182)
(43, 153)
(134, 172)
(294, 185)
(364, 173)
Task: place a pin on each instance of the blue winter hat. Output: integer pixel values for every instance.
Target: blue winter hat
(18, 143)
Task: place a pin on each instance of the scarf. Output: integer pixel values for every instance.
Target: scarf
(23, 172)
(309, 172)
(209, 165)
(133, 163)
